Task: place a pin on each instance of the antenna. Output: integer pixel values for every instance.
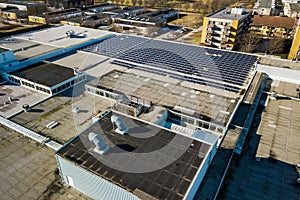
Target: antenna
(101, 146)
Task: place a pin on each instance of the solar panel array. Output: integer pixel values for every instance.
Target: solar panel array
(177, 76)
(196, 64)
(115, 45)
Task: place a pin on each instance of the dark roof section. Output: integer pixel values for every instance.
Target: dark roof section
(3, 50)
(295, 7)
(273, 21)
(170, 182)
(47, 74)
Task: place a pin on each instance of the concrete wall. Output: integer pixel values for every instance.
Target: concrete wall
(282, 74)
(200, 174)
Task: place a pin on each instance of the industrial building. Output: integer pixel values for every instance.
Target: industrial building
(13, 10)
(143, 21)
(30, 48)
(177, 163)
(166, 98)
(46, 78)
(221, 29)
(55, 16)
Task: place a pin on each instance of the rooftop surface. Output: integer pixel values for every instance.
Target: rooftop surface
(224, 70)
(20, 96)
(56, 36)
(273, 21)
(279, 131)
(284, 63)
(47, 74)
(295, 7)
(29, 170)
(206, 106)
(24, 48)
(265, 4)
(225, 13)
(59, 109)
(168, 182)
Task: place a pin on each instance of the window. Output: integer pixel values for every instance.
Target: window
(206, 125)
(220, 130)
(212, 127)
(184, 119)
(200, 123)
(191, 121)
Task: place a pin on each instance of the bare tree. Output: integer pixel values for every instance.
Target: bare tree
(152, 3)
(275, 45)
(140, 2)
(186, 6)
(214, 5)
(122, 2)
(133, 2)
(248, 42)
(196, 6)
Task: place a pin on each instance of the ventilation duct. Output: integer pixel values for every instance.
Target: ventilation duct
(122, 128)
(100, 144)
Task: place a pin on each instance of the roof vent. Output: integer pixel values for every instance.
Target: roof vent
(70, 33)
(101, 147)
(122, 128)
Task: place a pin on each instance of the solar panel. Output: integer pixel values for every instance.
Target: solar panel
(222, 68)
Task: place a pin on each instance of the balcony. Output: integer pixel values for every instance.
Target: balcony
(224, 40)
(227, 27)
(224, 46)
(211, 25)
(209, 30)
(207, 42)
(226, 33)
(208, 37)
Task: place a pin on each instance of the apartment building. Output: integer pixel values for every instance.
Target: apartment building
(222, 28)
(295, 49)
(276, 26)
(292, 10)
(265, 7)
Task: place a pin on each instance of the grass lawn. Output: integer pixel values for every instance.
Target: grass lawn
(193, 39)
(190, 20)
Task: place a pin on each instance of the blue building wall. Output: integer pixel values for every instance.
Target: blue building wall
(91, 184)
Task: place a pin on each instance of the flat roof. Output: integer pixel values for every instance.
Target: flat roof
(56, 36)
(273, 21)
(166, 182)
(141, 19)
(207, 106)
(225, 70)
(278, 62)
(225, 13)
(3, 50)
(25, 48)
(47, 74)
